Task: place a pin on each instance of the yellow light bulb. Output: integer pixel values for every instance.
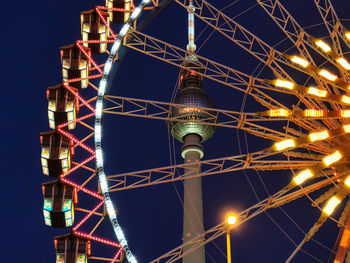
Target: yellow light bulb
(345, 113)
(300, 61)
(284, 144)
(318, 136)
(345, 99)
(347, 181)
(326, 74)
(332, 158)
(313, 113)
(344, 63)
(346, 128)
(317, 92)
(231, 220)
(284, 84)
(323, 46)
(279, 113)
(301, 177)
(331, 205)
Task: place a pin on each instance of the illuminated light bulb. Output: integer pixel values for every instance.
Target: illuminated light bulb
(231, 220)
(313, 113)
(347, 34)
(346, 128)
(331, 205)
(345, 99)
(330, 159)
(279, 113)
(301, 177)
(317, 92)
(343, 62)
(345, 113)
(284, 144)
(347, 181)
(327, 75)
(318, 136)
(300, 61)
(323, 46)
(284, 84)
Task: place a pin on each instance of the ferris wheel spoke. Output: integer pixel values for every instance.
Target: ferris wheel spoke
(278, 199)
(173, 55)
(174, 173)
(229, 77)
(222, 74)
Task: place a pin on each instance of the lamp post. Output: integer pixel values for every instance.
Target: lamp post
(230, 221)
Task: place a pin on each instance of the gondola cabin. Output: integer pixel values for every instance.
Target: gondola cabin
(119, 10)
(93, 28)
(59, 201)
(62, 106)
(72, 249)
(56, 153)
(75, 65)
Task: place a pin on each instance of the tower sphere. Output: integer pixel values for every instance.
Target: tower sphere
(192, 95)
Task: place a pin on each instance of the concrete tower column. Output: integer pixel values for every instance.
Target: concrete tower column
(192, 152)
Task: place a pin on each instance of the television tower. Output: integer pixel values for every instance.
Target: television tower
(192, 134)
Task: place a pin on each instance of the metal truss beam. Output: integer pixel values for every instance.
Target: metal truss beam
(174, 173)
(277, 200)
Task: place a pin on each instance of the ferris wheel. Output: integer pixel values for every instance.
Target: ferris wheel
(294, 109)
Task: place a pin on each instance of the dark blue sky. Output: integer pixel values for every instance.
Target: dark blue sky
(151, 216)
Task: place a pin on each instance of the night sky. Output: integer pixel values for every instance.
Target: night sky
(151, 217)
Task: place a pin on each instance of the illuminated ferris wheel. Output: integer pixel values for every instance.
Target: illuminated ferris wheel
(301, 94)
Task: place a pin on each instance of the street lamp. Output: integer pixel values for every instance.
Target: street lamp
(230, 221)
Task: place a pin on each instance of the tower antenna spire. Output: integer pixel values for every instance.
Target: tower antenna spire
(191, 47)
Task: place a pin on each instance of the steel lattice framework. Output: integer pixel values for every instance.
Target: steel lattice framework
(316, 153)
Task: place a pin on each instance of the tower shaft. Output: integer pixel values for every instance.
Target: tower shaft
(193, 203)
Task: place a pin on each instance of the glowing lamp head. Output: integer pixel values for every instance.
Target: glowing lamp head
(345, 99)
(332, 158)
(321, 44)
(300, 61)
(318, 136)
(279, 113)
(231, 219)
(326, 74)
(344, 63)
(331, 205)
(284, 84)
(303, 176)
(282, 145)
(317, 92)
(347, 181)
